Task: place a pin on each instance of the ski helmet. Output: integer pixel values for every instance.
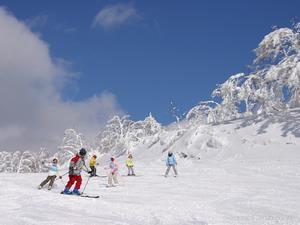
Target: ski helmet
(82, 152)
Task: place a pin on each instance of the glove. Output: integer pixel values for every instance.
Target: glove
(60, 177)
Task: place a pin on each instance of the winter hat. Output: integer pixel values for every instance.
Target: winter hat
(55, 160)
(82, 152)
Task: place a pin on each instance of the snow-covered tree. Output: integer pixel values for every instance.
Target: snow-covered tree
(113, 135)
(274, 84)
(174, 111)
(121, 134)
(42, 157)
(229, 92)
(277, 46)
(5, 159)
(28, 163)
(71, 144)
(15, 161)
(202, 113)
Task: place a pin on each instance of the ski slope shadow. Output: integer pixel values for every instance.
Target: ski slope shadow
(288, 120)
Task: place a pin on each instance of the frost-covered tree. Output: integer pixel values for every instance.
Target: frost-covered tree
(174, 111)
(140, 130)
(42, 157)
(9, 161)
(28, 163)
(277, 46)
(5, 159)
(229, 92)
(121, 134)
(273, 85)
(112, 137)
(202, 113)
(23, 162)
(71, 144)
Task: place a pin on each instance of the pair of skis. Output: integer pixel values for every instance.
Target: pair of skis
(83, 195)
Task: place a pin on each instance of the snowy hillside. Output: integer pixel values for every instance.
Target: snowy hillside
(248, 174)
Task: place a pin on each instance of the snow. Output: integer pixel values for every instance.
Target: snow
(204, 193)
(246, 175)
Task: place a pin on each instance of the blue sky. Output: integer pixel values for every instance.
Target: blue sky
(162, 51)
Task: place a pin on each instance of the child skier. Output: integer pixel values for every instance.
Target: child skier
(113, 173)
(52, 174)
(130, 164)
(171, 162)
(76, 165)
(93, 165)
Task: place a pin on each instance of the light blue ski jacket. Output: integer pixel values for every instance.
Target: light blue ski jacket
(53, 170)
(171, 160)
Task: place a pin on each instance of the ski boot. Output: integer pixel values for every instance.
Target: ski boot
(76, 192)
(40, 187)
(49, 187)
(66, 191)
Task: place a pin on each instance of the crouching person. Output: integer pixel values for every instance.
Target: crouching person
(76, 165)
(52, 174)
(171, 162)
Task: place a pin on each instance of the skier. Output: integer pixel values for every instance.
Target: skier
(76, 165)
(93, 165)
(113, 173)
(52, 174)
(171, 162)
(130, 164)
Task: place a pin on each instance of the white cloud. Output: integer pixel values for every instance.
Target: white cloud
(32, 114)
(115, 15)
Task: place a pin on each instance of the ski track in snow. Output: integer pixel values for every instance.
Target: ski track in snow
(207, 193)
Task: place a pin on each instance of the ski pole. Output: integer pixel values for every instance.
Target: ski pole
(86, 184)
(65, 174)
(61, 175)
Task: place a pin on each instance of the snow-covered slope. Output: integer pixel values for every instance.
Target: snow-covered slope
(239, 173)
(274, 137)
(243, 172)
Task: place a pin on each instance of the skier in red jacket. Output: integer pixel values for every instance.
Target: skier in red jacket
(76, 165)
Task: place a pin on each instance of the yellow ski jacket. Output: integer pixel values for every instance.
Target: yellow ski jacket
(129, 162)
(92, 161)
